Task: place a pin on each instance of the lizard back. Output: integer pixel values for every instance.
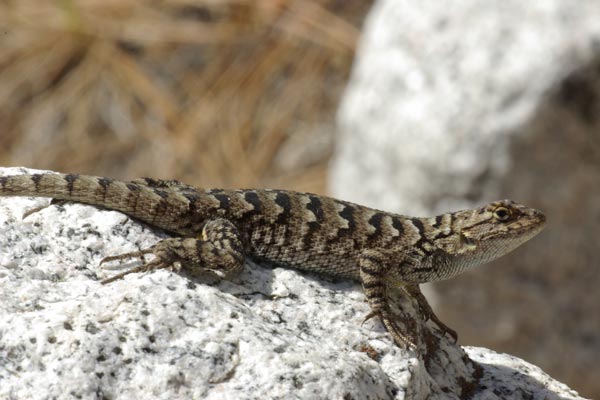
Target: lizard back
(303, 230)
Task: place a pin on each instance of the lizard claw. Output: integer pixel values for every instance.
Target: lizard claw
(166, 255)
(430, 315)
(370, 315)
(427, 312)
(447, 330)
(400, 337)
(125, 256)
(154, 264)
(122, 274)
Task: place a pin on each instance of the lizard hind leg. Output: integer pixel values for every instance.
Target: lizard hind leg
(219, 249)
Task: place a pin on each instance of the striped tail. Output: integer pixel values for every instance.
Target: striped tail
(155, 206)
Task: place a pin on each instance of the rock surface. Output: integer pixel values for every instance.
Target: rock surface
(453, 104)
(271, 333)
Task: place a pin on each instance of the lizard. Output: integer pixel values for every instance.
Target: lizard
(216, 230)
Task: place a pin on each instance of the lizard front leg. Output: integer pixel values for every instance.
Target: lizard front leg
(413, 290)
(218, 249)
(374, 270)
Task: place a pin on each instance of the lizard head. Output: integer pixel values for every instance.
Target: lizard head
(488, 232)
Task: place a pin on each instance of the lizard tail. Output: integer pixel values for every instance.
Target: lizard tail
(161, 208)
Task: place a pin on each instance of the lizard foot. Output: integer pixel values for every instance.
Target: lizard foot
(401, 338)
(427, 312)
(161, 260)
(218, 250)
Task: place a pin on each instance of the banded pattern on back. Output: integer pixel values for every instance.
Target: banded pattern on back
(304, 230)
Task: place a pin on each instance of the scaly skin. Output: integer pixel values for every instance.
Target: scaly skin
(215, 229)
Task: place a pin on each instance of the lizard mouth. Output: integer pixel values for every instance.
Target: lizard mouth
(534, 221)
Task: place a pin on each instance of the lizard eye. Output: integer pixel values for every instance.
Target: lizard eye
(502, 213)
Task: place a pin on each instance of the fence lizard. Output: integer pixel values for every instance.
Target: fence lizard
(216, 229)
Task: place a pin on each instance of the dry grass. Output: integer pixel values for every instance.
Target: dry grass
(215, 92)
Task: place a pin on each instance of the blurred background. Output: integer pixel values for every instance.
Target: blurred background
(215, 92)
(441, 106)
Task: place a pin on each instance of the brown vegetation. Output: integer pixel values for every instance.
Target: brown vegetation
(233, 93)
